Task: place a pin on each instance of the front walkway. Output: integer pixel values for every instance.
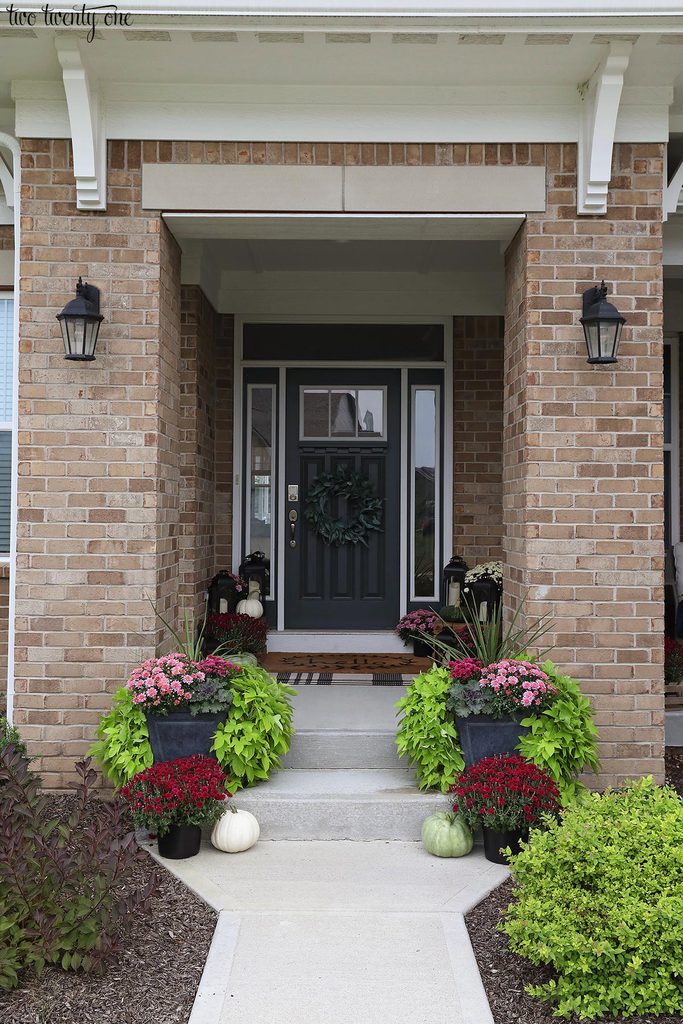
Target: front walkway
(339, 933)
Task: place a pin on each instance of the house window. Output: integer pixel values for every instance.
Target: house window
(671, 444)
(260, 470)
(331, 413)
(425, 487)
(6, 402)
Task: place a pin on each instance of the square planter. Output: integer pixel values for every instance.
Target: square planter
(486, 736)
(182, 734)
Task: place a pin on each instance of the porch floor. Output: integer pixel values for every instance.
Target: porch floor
(349, 664)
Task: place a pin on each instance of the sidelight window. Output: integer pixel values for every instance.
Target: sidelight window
(260, 491)
(425, 490)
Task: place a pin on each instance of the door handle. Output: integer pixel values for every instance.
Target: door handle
(293, 516)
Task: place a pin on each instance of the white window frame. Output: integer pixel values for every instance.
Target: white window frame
(673, 343)
(8, 426)
(274, 474)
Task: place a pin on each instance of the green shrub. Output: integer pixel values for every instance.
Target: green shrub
(9, 734)
(426, 734)
(600, 900)
(64, 888)
(122, 748)
(248, 746)
(258, 730)
(563, 738)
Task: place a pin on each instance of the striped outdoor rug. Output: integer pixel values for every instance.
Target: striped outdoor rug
(343, 679)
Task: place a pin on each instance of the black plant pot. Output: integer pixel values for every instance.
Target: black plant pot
(422, 648)
(485, 736)
(180, 841)
(181, 734)
(495, 840)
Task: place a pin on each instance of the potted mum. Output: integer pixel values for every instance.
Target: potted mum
(240, 636)
(505, 797)
(184, 702)
(489, 703)
(176, 799)
(420, 626)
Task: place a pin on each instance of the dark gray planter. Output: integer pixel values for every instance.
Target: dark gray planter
(180, 842)
(495, 840)
(181, 734)
(485, 736)
(422, 648)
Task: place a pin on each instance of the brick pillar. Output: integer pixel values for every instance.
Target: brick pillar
(583, 487)
(477, 437)
(98, 451)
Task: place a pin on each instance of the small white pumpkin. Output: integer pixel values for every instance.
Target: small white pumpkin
(235, 831)
(251, 605)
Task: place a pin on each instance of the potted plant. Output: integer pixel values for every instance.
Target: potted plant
(420, 626)
(184, 702)
(673, 661)
(238, 635)
(176, 799)
(505, 796)
(489, 703)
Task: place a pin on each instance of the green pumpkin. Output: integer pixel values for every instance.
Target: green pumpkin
(445, 834)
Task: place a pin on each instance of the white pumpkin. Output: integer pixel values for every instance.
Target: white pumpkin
(251, 605)
(235, 831)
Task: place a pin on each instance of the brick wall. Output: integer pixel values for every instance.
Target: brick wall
(98, 480)
(583, 448)
(6, 237)
(477, 437)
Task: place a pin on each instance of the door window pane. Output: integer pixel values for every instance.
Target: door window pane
(261, 481)
(331, 413)
(424, 470)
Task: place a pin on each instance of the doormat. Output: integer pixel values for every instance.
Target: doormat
(343, 679)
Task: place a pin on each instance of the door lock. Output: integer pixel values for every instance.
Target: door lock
(292, 492)
(293, 516)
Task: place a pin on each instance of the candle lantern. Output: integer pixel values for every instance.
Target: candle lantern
(453, 582)
(257, 567)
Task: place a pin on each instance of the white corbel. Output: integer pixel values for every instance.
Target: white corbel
(6, 191)
(600, 98)
(673, 194)
(87, 128)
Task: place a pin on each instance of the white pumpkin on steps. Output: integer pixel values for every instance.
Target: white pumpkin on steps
(235, 831)
(251, 604)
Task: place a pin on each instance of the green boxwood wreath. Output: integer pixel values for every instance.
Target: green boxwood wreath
(359, 492)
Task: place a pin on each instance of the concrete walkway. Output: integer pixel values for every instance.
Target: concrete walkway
(339, 933)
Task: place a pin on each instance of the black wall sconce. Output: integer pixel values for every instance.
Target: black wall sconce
(80, 323)
(602, 323)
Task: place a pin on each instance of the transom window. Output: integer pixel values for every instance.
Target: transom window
(330, 414)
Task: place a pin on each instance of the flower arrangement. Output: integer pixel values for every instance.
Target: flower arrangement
(214, 694)
(492, 570)
(238, 634)
(241, 585)
(673, 661)
(163, 684)
(417, 624)
(507, 794)
(187, 791)
(506, 687)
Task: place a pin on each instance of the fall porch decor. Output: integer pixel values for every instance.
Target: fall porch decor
(365, 507)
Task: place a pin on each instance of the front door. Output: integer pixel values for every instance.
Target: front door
(348, 420)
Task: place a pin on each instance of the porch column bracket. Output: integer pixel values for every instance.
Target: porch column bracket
(87, 128)
(673, 194)
(600, 98)
(7, 182)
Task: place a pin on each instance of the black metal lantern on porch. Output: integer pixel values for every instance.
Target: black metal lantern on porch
(257, 567)
(453, 582)
(602, 323)
(80, 323)
(483, 597)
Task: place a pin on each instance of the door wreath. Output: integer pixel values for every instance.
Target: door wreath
(359, 492)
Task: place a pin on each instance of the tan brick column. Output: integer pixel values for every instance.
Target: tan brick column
(583, 476)
(98, 451)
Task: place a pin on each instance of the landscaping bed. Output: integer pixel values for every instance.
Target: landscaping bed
(153, 981)
(505, 975)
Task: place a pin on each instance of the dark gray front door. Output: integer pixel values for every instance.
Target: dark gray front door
(342, 418)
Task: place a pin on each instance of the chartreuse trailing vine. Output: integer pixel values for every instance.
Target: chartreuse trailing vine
(248, 746)
(427, 735)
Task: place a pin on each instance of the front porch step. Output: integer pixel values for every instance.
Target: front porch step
(328, 804)
(341, 749)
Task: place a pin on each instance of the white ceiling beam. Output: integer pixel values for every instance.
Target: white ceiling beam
(86, 127)
(601, 97)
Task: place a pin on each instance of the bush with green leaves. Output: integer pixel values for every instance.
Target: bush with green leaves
(64, 887)
(9, 734)
(563, 738)
(258, 730)
(599, 899)
(248, 746)
(427, 735)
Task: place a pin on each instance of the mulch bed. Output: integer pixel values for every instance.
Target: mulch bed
(154, 981)
(505, 974)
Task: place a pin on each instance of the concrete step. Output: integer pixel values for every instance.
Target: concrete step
(328, 804)
(329, 748)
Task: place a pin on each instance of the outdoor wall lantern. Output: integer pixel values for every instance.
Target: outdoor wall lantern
(80, 322)
(602, 323)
